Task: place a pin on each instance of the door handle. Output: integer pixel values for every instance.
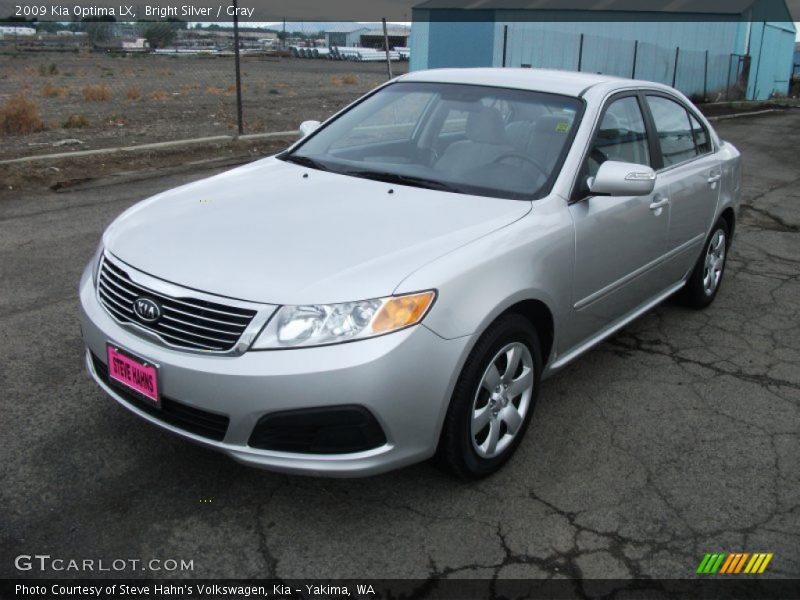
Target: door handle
(714, 177)
(659, 204)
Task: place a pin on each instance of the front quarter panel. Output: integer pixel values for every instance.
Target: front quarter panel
(531, 259)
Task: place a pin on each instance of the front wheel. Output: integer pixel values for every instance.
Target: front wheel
(706, 278)
(493, 399)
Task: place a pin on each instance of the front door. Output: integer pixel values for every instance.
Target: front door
(618, 240)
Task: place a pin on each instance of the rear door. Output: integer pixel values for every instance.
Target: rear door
(688, 165)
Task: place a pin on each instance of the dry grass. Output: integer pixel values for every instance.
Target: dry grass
(338, 80)
(133, 93)
(54, 91)
(20, 116)
(165, 72)
(231, 89)
(213, 91)
(159, 95)
(76, 122)
(97, 93)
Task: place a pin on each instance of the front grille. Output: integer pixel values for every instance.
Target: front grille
(185, 322)
(200, 422)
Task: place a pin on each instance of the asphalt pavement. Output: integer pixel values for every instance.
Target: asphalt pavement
(678, 436)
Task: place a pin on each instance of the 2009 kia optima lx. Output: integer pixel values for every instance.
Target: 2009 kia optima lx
(396, 284)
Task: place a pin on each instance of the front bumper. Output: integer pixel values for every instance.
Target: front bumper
(404, 379)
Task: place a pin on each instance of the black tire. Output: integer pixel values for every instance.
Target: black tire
(456, 452)
(695, 293)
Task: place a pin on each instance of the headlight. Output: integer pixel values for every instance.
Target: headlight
(322, 324)
(98, 255)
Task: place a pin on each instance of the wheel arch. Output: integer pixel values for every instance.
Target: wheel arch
(729, 216)
(541, 318)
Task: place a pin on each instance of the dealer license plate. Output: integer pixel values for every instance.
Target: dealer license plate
(134, 373)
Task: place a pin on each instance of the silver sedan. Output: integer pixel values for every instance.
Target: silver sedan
(396, 285)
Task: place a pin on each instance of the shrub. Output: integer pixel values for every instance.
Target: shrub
(134, 93)
(52, 91)
(46, 70)
(213, 91)
(97, 93)
(349, 79)
(159, 95)
(20, 116)
(75, 122)
(337, 81)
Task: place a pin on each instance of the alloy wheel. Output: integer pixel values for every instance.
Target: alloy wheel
(502, 400)
(714, 262)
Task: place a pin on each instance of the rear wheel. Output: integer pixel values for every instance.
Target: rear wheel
(493, 399)
(706, 278)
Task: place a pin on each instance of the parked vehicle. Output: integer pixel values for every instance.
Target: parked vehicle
(396, 284)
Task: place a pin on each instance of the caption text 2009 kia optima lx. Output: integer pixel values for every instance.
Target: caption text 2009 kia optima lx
(396, 284)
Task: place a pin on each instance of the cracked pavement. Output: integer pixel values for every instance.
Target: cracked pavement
(678, 436)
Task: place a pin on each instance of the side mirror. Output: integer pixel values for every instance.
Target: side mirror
(623, 179)
(308, 127)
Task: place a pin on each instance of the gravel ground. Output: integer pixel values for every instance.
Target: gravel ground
(678, 436)
(178, 97)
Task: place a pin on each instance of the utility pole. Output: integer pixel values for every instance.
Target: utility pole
(238, 68)
(386, 45)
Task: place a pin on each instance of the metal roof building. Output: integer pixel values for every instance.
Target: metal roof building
(345, 36)
(705, 48)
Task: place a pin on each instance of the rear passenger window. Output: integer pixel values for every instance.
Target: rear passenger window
(701, 139)
(674, 130)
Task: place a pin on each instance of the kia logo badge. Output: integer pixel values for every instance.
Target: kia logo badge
(147, 310)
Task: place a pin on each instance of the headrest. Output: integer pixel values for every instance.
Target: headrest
(485, 126)
(528, 111)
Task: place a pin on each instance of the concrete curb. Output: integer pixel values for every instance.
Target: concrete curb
(155, 146)
(744, 114)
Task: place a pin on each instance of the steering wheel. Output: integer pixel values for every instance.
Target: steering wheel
(522, 157)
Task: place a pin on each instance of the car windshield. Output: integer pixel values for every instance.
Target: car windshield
(470, 139)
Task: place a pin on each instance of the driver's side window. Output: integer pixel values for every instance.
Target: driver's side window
(622, 137)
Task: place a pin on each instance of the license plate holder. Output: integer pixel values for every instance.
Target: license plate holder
(134, 374)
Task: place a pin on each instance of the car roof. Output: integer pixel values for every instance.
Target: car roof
(569, 83)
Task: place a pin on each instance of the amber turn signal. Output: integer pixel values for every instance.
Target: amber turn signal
(401, 311)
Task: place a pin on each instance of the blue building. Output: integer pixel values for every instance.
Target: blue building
(736, 49)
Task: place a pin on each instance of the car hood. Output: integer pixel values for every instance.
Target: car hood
(275, 232)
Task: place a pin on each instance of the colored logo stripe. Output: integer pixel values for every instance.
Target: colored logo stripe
(734, 563)
(711, 563)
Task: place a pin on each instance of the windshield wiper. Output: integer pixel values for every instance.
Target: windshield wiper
(420, 182)
(306, 162)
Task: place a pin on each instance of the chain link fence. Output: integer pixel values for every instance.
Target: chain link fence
(117, 85)
(704, 75)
